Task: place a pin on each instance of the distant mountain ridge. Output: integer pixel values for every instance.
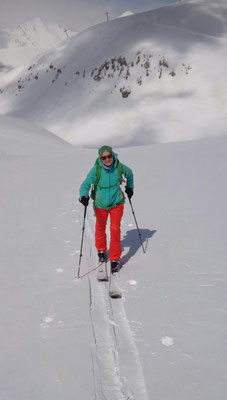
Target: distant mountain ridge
(34, 34)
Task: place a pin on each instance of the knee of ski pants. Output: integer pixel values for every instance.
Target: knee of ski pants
(101, 217)
(115, 217)
(115, 227)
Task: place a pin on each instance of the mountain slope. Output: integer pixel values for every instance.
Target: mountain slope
(146, 73)
(19, 137)
(165, 339)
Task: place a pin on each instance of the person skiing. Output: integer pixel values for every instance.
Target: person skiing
(106, 178)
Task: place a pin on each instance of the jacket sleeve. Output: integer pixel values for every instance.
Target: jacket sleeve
(128, 174)
(89, 180)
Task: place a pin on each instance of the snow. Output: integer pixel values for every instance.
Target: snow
(132, 282)
(167, 341)
(168, 64)
(63, 337)
(66, 333)
(24, 44)
(126, 14)
(18, 137)
(34, 33)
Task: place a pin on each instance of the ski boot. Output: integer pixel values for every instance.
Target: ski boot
(102, 256)
(102, 270)
(114, 288)
(115, 266)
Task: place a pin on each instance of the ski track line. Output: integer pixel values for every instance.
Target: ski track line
(117, 370)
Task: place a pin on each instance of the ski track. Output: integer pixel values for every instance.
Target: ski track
(116, 363)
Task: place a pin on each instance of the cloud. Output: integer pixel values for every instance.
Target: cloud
(76, 14)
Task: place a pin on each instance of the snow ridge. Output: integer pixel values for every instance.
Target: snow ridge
(126, 14)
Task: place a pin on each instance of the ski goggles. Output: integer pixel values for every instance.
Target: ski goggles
(103, 158)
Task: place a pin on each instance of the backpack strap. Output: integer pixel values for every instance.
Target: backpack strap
(98, 175)
(120, 171)
(98, 171)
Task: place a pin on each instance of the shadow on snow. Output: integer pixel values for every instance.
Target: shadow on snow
(131, 240)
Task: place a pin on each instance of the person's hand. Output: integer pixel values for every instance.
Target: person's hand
(129, 192)
(84, 200)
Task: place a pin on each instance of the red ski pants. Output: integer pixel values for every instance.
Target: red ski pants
(115, 230)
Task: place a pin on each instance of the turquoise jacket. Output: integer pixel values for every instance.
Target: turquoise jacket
(108, 192)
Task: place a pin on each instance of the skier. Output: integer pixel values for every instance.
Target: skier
(106, 177)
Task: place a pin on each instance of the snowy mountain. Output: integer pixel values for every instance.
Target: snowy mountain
(148, 72)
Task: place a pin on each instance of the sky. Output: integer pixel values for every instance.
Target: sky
(76, 14)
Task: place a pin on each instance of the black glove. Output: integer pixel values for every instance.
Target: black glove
(84, 200)
(129, 192)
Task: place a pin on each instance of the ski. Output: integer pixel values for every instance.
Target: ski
(114, 289)
(102, 274)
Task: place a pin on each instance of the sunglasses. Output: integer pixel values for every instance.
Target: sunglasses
(103, 158)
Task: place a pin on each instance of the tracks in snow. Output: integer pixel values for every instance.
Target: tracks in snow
(117, 369)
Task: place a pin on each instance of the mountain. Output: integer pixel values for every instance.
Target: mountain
(29, 41)
(149, 72)
(35, 33)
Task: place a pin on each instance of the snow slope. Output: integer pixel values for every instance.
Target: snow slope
(18, 137)
(157, 73)
(64, 338)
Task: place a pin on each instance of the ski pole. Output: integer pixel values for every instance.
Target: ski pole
(130, 201)
(82, 240)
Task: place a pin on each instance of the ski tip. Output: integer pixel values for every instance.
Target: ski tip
(115, 295)
(102, 279)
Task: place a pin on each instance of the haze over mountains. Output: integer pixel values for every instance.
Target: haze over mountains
(29, 40)
(33, 33)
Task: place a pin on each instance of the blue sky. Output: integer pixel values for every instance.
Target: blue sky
(76, 14)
